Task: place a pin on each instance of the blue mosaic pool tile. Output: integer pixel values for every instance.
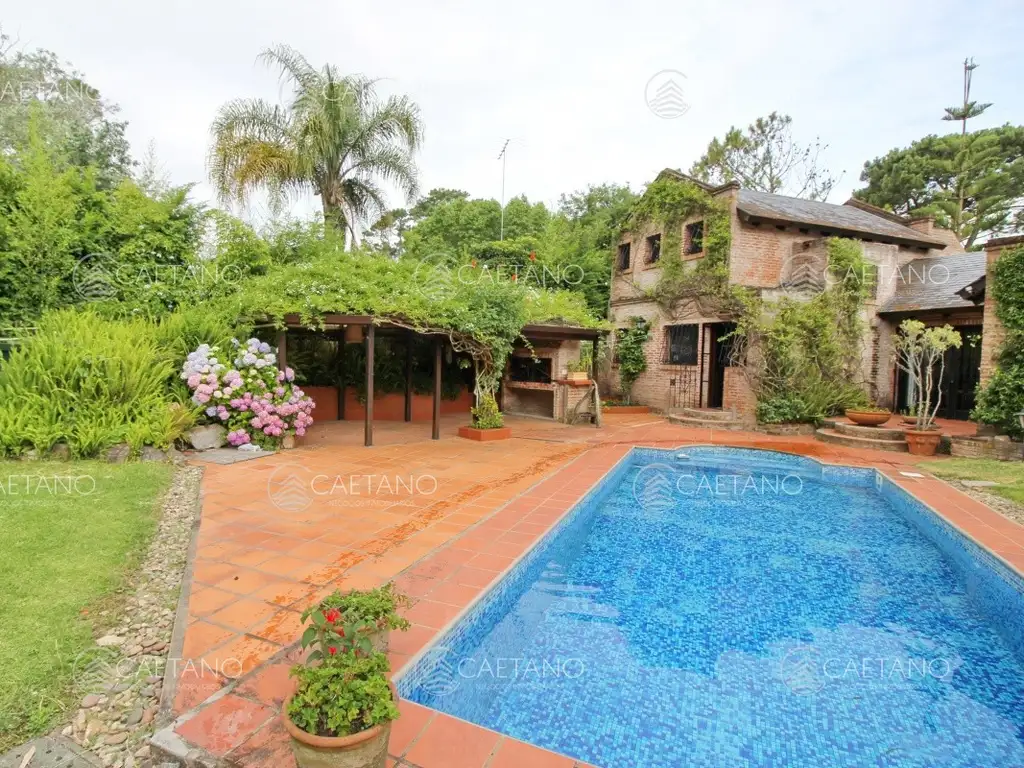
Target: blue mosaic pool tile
(666, 623)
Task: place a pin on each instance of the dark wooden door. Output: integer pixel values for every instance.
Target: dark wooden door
(720, 359)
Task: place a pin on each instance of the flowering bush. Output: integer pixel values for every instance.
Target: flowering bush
(255, 401)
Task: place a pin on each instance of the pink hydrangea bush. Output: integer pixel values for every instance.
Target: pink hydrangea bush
(257, 402)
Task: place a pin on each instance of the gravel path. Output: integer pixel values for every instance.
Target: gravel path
(121, 678)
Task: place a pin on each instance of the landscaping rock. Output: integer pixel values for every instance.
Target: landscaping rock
(111, 726)
(60, 452)
(150, 453)
(207, 438)
(119, 454)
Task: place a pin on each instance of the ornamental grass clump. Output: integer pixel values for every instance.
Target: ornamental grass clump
(254, 400)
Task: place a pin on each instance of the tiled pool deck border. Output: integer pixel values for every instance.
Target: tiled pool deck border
(239, 724)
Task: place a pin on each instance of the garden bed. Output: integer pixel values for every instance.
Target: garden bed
(623, 408)
(485, 435)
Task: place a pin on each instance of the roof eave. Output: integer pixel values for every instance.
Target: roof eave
(750, 217)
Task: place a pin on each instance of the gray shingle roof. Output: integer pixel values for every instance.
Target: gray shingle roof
(932, 283)
(845, 218)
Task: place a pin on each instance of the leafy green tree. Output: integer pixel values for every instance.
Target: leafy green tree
(39, 234)
(70, 117)
(766, 158)
(334, 137)
(973, 184)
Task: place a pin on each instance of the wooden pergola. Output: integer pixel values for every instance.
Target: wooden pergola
(338, 324)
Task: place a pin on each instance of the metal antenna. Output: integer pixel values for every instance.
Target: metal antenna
(503, 156)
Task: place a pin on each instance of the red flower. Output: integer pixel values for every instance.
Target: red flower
(533, 256)
(473, 263)
(332, 615)
(332, 650)
(515, 277)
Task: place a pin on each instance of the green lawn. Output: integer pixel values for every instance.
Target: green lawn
(69, 535)
(1009, 474)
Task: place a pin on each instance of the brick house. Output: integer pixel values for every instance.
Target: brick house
(777, 243)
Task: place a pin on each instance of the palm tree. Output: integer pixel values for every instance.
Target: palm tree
(335, 136)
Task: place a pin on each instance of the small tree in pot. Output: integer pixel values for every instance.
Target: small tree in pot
(920, 353)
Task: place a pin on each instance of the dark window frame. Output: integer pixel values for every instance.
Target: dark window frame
(653, 254)
(681, 342)
(695, 238)
(622, 259)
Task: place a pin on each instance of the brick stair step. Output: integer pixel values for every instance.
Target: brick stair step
(837, 438)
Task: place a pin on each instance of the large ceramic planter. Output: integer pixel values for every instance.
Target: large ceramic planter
(868, 418)
(366, 749)
(923, 443)
(485, 435)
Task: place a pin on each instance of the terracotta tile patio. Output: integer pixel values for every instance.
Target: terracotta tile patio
(281, 532)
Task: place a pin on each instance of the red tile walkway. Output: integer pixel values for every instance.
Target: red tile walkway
(268, 547)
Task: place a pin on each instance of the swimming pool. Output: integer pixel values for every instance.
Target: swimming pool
(715, 606)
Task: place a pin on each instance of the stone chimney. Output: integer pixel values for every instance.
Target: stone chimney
(993, 332)
(926, 226)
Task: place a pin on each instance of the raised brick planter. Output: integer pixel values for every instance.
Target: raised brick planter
(485, 435)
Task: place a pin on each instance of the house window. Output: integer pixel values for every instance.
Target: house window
(681, 344)
(653, 248)
(695, 237)
(623, 261)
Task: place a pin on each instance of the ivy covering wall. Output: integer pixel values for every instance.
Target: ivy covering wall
(1003, 397)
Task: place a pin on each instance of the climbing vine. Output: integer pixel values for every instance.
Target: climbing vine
(802, 354)
(629, 347)
(670, 203)
(1003, 397)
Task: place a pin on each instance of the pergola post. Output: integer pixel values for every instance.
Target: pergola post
(593, 360)
(282, 352)
(408, 376)
(368, 427)
(340, 363)
(436, 433)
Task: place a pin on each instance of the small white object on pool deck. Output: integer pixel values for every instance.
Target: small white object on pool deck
(911, 474)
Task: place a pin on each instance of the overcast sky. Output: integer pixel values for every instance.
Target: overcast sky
(564, 80)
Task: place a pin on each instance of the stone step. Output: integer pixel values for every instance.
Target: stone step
(837, 438)
(872, 433)
(696, 423)
(705, 414)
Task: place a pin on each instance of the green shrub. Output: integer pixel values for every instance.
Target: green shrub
(346, 694)
(93, 382)
(1003, 396)
(486, 415)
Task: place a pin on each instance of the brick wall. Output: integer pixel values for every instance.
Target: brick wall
(994, 334)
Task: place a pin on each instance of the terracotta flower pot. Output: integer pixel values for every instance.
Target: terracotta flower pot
(366, 749)
(923, 443)
(578, 376)
(868, 418)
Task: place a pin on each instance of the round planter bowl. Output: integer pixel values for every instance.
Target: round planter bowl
(868, 418)
(923, 443)
(366, 749)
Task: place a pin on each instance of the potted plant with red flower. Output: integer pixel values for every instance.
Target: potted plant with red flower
(921, 354)
(341, 712)
(354, 620)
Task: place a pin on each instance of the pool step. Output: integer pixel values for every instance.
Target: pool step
(705, 414)
(836, 437)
